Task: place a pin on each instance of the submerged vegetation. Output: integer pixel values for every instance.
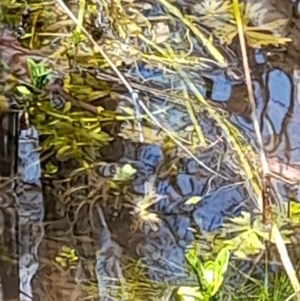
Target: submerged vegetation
(87, 73)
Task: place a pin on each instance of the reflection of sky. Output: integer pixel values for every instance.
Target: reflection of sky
(30, 208)
(209, 216)
(279, 88)
(272, 113)
(221, 88)
(175, 190)
(293, 132)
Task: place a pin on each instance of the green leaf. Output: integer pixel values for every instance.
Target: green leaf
(78, 114)
(100, 137)
(222, 261)
(67, 107)
(54, 122)
(189, 293)
(90, 152)
(40, 118)
(66, 127)
(221, 266)
(51, 168)
(100, 110)
(62, 151)
(195, 263)
(209, 275)
(23, 90)
(32, 66)
(124, 173)
(193, 200)
(245, 244)
(44, 73)
(85, 164)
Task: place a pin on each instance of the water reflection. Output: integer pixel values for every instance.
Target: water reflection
(277, 113)
(101, 246)
(213, 209)
(31, 210)
(162, 249)
(278, 107)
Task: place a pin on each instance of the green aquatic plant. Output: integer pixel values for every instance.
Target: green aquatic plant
(66, 132)
(210, 275)
(124, 173)
(244, 236)
(67, 257)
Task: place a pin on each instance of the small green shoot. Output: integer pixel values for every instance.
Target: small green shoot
(39, 75)
(210, 276)
(124, 173)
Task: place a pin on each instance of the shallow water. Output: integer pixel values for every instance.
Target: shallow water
(102, 236)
